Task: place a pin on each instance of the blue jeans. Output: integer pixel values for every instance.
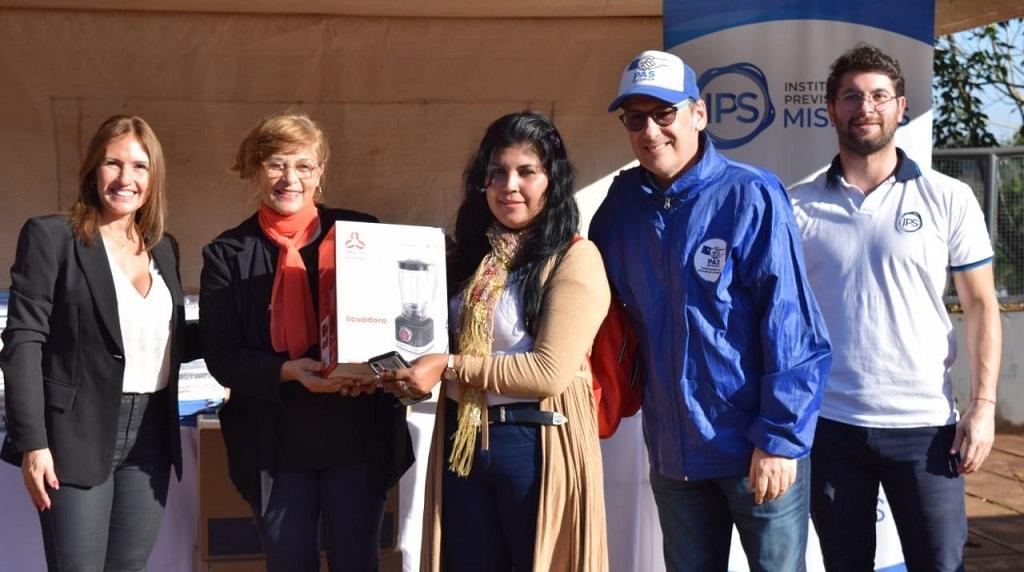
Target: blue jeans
(925, 493)
(113, 525)
(697, 518)
(346, 501)
(489, 519)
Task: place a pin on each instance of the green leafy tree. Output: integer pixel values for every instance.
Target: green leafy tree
(973, 67)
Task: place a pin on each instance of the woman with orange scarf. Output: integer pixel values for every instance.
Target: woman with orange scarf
(302, 450)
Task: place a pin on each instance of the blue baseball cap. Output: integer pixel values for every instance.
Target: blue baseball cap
(658, 74)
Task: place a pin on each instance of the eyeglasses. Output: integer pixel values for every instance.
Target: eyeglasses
(878, 100)
(637, 120)
(303, 170)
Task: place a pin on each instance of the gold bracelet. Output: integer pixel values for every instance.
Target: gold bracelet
(992, 401)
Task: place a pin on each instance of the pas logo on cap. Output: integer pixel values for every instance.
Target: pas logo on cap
(645, 63)
(657, 74)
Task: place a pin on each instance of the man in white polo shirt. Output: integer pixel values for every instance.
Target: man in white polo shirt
(881, 234)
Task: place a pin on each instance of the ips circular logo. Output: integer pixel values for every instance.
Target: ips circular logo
(910, 222)
(738, 104)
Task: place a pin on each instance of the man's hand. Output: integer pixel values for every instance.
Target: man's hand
(37, 471)
(770, 475)
(975, 434)
(983, 333)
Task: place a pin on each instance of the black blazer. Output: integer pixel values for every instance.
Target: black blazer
(265, 421)
(63, 357)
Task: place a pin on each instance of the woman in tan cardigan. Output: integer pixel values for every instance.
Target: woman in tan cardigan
(514, 480)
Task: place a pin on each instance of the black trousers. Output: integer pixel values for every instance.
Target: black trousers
(112, 527)
(925, 493)
(489, 519)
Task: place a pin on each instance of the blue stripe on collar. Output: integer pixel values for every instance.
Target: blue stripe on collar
(906, 169)
(834, 173)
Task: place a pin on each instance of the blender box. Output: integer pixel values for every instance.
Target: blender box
(382, 288)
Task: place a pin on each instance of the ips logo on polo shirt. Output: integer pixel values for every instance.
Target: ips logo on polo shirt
(739, 106)
(710, 258)
(910, 222)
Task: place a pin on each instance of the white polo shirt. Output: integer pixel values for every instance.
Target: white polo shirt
(878, 265)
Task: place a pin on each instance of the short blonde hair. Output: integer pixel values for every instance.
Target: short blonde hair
(152, 215)
(278, 134)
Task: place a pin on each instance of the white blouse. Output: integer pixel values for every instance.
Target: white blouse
(510, 336)
(145, 330)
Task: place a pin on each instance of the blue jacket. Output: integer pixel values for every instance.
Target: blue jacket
(734, 346)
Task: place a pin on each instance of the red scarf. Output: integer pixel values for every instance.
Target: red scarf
(292, 323)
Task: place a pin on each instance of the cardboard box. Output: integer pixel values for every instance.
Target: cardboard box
(382, 289)
(226, 527)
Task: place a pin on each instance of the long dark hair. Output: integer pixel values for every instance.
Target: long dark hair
(551, 232)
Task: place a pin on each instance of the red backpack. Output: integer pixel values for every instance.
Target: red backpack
(615, 368)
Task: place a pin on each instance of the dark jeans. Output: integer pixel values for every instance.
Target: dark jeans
(925, 493)
(113, 526)
(697, 518)
(489, 519)
(346, 502)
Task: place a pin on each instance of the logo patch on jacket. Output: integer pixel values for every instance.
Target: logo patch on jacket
(710, 258)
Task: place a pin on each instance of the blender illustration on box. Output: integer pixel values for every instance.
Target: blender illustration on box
(414, 328)
(381, 289)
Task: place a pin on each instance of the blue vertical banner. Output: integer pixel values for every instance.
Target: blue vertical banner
(761, 67)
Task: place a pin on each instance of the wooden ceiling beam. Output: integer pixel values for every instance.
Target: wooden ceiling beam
(950, 15)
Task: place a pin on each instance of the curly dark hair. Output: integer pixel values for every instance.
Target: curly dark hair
(552, 231)
(863, 58)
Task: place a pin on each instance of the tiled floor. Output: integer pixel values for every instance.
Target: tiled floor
(995, 509)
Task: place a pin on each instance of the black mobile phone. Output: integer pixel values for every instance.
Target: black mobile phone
(393, 361)
(390, 360)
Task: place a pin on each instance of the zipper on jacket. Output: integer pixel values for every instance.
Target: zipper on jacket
(668, 203)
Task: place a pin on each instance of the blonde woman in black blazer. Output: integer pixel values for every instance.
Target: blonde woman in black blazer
(92, 409)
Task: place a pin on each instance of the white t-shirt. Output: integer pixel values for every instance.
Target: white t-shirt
(510, 336)
(879, 265)
(145, 330)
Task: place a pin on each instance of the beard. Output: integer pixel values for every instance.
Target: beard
(865, 145)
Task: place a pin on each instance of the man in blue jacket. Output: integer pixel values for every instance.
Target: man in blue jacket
(706, 255)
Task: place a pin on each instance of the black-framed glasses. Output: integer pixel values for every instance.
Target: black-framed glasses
(637, 120)
(877, 100)
(303, 169)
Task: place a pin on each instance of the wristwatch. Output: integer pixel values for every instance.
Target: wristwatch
(449, 374)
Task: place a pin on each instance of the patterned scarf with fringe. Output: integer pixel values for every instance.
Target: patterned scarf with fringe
(476, 335)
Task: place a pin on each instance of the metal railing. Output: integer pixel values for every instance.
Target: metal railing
(997, 177)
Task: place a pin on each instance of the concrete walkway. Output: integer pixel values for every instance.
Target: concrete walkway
(995, 509)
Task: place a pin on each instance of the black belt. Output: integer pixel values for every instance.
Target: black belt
(524, 413)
